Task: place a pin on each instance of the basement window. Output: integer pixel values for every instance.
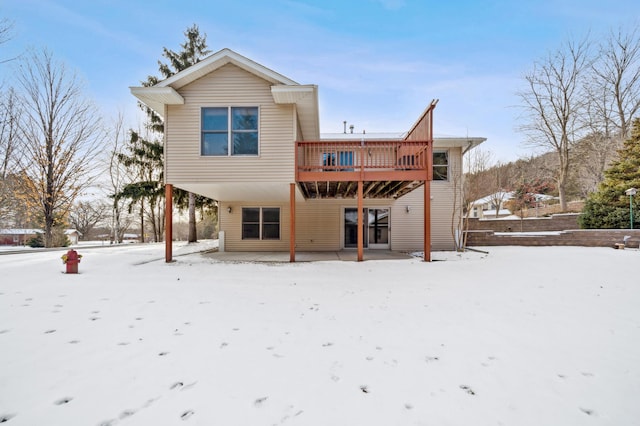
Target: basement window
(260, 223)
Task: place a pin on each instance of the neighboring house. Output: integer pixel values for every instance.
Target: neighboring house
(249, 137)
(73, 235)
(491, 206)
(17, 237)
(486, 207)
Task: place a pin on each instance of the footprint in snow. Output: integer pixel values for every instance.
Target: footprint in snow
(364, 389)
(187, 414)
(49, 331)
(6, 417)
(588, 411)
(176, 385)
(467, 389)
(62, 401)
(6, 330)
(126, 413)
(73, 342)
(258, 402)
(163, 353)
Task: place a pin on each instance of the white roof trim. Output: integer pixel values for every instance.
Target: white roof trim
(157, 97)
(218, 60)
(305, 97)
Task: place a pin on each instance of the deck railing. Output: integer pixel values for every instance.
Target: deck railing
(356, 156)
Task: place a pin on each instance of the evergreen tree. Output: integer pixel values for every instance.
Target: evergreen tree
(609, 206)
(193, 50)
(146, 158)
(146, 154)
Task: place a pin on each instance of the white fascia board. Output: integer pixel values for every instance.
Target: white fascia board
(218, 60)
(305, 97)
(157, 97)
(465, 143)
(284, 94)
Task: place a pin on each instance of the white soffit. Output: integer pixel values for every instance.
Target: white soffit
(305, 97)
(465, 143)
(157, 97)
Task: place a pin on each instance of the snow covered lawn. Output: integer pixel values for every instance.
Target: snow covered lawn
(522, 336)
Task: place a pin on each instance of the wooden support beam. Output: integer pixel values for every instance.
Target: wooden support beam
(360, 224)
(168, 223)
(427, 221)
(370, 186)
(292, 222)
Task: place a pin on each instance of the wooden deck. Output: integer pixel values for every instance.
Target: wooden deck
(387, 168)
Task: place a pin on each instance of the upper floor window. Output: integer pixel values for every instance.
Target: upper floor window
(440, 165)
(229, 131)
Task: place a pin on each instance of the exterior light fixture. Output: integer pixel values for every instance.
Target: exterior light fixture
(631, 192)
(229, 209)
(407, 208)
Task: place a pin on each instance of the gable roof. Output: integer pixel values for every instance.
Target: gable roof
(283, 89)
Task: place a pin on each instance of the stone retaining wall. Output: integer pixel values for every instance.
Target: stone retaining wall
(575, 237)
(556, 222)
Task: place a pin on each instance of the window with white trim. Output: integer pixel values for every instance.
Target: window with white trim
(260, 223)
(440, 165)
(229, 131)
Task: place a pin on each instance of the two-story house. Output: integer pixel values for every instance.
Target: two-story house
(249, 137)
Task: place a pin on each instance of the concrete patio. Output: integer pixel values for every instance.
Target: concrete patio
(317, 256)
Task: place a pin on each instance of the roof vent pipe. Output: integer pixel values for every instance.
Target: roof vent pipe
(345, 126)
(351, 128)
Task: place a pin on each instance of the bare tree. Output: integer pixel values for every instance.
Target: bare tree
(554, 100)
(617, 80)
(9, 116)
(6, 34)
(60, 135)
(85, 215)
(119, 177)
(613, 100)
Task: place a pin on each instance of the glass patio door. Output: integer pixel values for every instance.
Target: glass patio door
(375, 228)
(378, 228)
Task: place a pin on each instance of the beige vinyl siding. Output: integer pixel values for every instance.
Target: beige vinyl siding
(408, 227)
(229, 86)
(231, 224)
(319, 225)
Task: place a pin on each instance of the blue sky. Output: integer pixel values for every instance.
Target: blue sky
(378, 63)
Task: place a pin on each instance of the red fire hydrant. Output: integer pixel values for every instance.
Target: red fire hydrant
(71, 259)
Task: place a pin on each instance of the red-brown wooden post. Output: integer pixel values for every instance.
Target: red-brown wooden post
(427, 221)
(168, 223)
(360, 224)
(292, 222)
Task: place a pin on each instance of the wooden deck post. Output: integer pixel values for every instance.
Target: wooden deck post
(292, 222)
(427, 221)
(360, 223)
(168, 223)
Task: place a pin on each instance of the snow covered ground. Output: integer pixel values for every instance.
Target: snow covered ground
(521, 336)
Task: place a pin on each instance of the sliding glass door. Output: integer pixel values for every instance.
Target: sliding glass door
(375, 228)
